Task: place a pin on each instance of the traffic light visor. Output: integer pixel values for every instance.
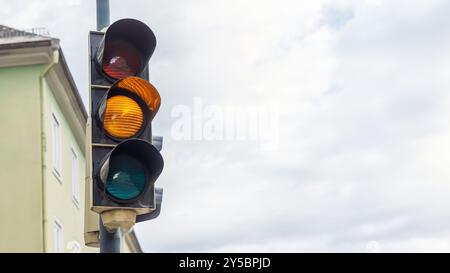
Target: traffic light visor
(145, 90)
(126, 49)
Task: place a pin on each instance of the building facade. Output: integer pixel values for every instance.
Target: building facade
(42, 158)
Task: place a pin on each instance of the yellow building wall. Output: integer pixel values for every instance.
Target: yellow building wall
(20, 160)
(59, 202)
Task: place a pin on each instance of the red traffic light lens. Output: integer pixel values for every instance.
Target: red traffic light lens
(121, 60)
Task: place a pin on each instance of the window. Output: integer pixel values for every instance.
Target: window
(75, 178)
(56, 147)
(58, 238)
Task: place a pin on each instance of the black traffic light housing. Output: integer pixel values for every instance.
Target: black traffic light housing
(124, 166)
(157, 211)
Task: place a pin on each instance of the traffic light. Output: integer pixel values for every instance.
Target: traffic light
(155, 213)
(122, 163)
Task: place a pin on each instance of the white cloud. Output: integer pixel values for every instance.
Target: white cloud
(363, 88)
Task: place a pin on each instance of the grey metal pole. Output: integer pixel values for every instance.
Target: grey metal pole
(102, 14)
(109, 242)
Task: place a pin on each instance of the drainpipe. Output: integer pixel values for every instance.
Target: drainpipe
(55, 60)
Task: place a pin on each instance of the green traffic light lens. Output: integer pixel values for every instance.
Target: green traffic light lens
(126, 177)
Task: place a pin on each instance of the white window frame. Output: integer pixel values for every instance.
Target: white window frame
(77, 247)
(74, 247)
(58, 236)
(56, 147)
(75, 177)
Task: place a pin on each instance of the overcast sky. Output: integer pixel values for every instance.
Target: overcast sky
(357, 156)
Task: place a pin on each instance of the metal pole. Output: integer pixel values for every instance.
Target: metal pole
(109, 242)
(102, 14)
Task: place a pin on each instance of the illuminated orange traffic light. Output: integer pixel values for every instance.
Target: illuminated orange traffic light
(123, 117)
(128, 105)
